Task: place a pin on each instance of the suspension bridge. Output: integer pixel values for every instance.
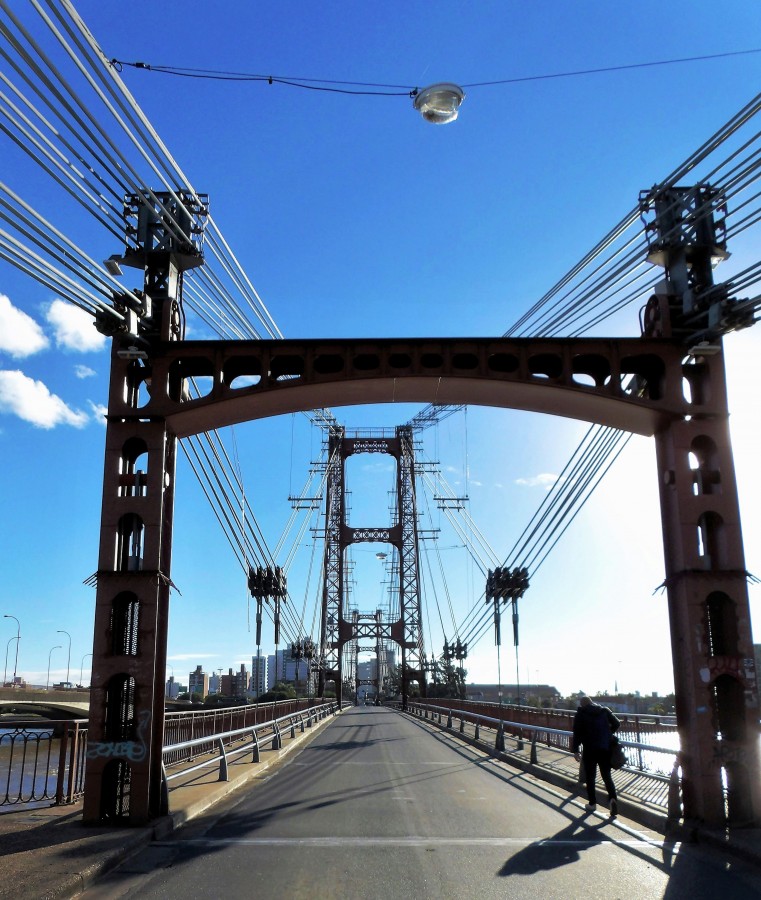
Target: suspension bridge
(67, 110)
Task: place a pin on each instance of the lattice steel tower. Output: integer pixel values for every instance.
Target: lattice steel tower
(338, 628)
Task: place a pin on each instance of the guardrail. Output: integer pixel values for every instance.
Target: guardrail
(658, 763)
(223, 742)
(42, 761)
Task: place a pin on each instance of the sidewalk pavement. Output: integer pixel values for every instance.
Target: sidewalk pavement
(641, 797)
(48, 853)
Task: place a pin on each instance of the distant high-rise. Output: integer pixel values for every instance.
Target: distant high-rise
(198, 682)
(259, 679)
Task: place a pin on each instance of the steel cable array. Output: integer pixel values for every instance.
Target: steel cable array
(606, 280)
(44, 113)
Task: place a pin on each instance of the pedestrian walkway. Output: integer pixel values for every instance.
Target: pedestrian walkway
(641, 797)
(49, 853)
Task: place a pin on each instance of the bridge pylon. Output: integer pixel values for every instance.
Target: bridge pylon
(338, 627)
(706, 580)
(126, 730)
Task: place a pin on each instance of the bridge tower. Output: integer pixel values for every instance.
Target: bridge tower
(706, 580)
(338, 629)
(126, 731)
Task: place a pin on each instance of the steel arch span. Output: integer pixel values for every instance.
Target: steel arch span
(635, 384)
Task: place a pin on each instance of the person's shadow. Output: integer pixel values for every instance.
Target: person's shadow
(561, 849)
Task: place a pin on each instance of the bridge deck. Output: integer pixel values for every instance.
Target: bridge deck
(374, 800)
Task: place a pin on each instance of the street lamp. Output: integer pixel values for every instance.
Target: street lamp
(18, 639)
(82, 668)
(68, 658)
(57, 647)
(7, 648)
(439, 103)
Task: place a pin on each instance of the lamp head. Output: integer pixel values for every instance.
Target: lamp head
(439, 103)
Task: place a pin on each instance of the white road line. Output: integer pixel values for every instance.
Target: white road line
(407, 842)
(385, 763)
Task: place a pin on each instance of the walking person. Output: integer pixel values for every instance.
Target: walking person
(593, 726)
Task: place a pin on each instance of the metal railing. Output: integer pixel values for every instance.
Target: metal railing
(661, 764)
(42, 761)
(244, 739)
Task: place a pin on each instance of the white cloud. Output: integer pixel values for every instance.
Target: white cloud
(74, 328)
(99, 412)
(84, 372)
(545, 480)
(31, 401)
(20, 335)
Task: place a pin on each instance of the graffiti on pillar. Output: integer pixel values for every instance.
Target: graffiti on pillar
(134, 751)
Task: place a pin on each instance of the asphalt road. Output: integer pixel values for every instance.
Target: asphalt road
(380, 806)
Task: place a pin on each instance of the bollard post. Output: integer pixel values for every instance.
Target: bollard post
(449, 719)
(439, 717)
(293, 730)
(164, 802)
(222, 761)
(276, 740)
(302, 724)
(533, 758)
(674, 799)
(519, 742)
(254, 746)
(500, 743)
(462, 724)
(478, 731)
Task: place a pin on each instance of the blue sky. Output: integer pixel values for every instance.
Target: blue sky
(353, 217)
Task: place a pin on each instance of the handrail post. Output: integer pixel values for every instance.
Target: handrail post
(277, 742)
(164, 800)
(533, 758)
(222, 761)
(462, 724)
(449, 719)
(674, 800)
(478, 731)
(255, 745)
(519, 742)
(59, 791)
(500, 743)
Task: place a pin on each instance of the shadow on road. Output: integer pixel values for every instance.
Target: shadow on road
(561, 849)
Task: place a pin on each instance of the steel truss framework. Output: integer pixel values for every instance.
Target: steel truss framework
(678, 397)
(340, 630)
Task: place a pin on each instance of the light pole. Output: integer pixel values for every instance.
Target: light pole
(18, 639)
(82, 668)
(68, 658)
(57, 647)
(7, 648)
